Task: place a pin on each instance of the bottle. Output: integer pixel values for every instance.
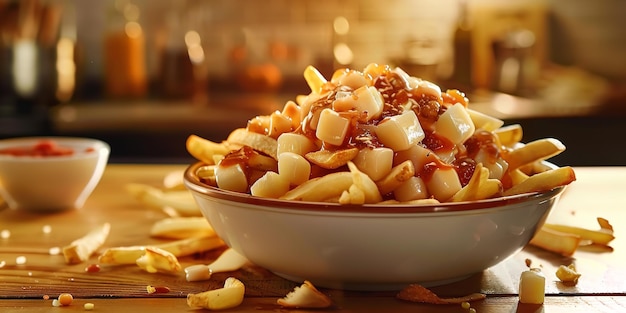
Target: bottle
(124, 53)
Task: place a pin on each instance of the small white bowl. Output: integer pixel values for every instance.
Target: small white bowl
(51, 183)
(372, 247)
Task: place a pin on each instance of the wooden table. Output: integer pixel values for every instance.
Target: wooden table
(598, 192)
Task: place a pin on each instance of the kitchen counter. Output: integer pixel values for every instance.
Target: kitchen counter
(596, 193)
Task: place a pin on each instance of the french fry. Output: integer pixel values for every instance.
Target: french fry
(399, 174)
(479, 187)
(517, 176)
(601, 237)
(189, 246)
(604, 224)
(322, 188)
(314, 79)
(180, 200)
(230, 260)
(256, 141)
(82, 248)
(543, 181)
(205, 150)
(182, 227)
(174, 181)
(364, 185)
(156, 260)
(178, 248)
(230, 296)
(509, 135)
(331, 159)
(305, 296)
(556, 241)
(534, 151)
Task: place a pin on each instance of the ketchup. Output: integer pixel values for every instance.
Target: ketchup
(43, 148)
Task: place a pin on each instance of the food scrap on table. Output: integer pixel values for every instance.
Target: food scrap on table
(532, 286)
(305, 296)
(230, 260)
(229, 296)
(568, 274)
(421, 294)
(82, 248)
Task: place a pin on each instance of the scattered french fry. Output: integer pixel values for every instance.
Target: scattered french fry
(182, 227)
(601, 237)
(82, 248)
(179, 248)
(180, 200)
(230, 296)
(556, 241)
(305, 296)
(174, 181)
(228, 261)
(158, 260)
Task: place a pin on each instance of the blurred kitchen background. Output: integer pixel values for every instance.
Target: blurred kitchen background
(144, 74)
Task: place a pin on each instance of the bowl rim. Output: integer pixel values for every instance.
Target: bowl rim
(100, 146)
(193, 183)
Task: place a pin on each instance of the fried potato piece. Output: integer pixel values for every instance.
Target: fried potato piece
(179, 248)
(363, 189)
(568, 274)
(82, 248)
(509, 135)
(538, 150)
(182, 227)
(559, 242)
(158, 260)
(420, 294)
(230, 260)
(180, 200)
(543, 181)
(399, 174)
(305, 296)
(601, 237)
(230, 296)
(256, 141)
(174, 180)
(205, 150)
(479, 187)
(331, 187)
(321, 188)
(332, 159)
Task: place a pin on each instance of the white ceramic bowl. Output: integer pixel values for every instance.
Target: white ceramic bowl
(51, 183)
(372, 247)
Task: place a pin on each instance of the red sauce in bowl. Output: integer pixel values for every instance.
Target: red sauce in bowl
(43, 148)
